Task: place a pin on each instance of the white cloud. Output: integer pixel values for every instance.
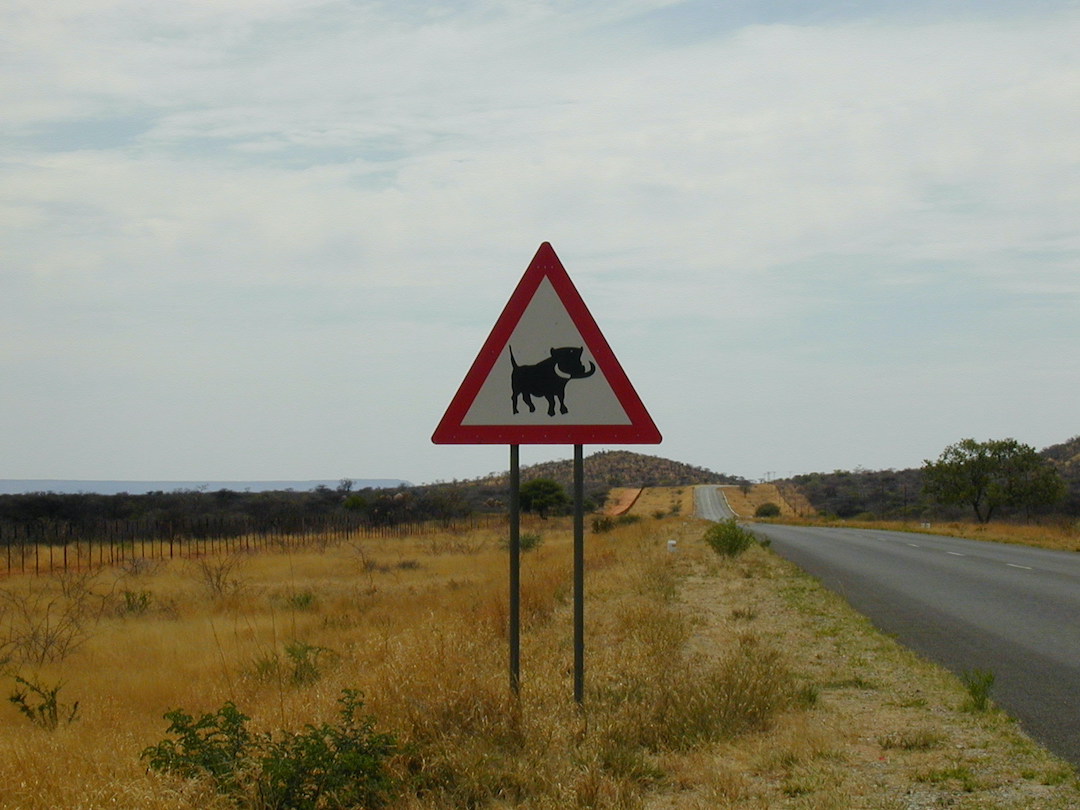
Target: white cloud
(258, 173)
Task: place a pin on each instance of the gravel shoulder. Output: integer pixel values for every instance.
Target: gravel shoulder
(883, 730)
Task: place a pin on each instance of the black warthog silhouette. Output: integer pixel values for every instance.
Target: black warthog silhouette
(548, 378)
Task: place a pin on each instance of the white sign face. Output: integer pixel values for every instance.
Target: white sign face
(555, 382)
(545, 374)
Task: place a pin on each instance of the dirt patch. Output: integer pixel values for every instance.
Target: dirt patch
(620, 500)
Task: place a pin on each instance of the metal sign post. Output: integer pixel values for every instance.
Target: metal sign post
(546, 375)
(579, 575)
(515, 570)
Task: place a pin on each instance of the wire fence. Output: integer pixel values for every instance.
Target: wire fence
(41, 547)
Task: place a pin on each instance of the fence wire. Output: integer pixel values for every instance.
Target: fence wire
(40, 546)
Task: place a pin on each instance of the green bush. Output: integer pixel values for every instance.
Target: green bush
(605, 523)
(602, 523)
(530, 541)
(527, 541)
(767, 510)
(729, 538)
(327, 767)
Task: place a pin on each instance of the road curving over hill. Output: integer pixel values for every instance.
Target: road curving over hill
(966, 604)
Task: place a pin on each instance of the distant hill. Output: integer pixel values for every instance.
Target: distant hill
(13, 486)
(1066, 457)
(619, 468)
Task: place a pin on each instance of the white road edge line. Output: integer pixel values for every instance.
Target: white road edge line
(956, 553)
(1024, 567)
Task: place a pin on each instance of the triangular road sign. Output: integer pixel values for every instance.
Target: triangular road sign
(546, 375)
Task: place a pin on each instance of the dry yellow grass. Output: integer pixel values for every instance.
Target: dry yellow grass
(699, 672)
(664, 501)
(418, 625)
(745, 503)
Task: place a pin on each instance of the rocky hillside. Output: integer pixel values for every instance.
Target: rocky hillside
(620, 468)
(1066, 457)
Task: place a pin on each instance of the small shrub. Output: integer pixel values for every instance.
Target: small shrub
(218, 575)
(41, 627)
(605, 523)
(305, 662)
(301, 665)
(326, 767)
(728, 538)
(530, 541)
(602, 523)
(136, 603)
(767, 510)
(978, 683)
(300, 600)
(40, 705)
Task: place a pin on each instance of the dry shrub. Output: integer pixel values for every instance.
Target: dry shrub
(219, 575)
(446, 693)
(693, 700)
(40, 625)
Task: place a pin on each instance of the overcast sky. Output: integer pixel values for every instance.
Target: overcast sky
(264, 239)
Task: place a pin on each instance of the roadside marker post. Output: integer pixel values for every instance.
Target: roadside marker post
(546, 375)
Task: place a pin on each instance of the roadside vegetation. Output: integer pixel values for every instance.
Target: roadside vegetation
(374, 673)
(997, 490)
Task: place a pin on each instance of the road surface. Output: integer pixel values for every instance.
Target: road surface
(968, 605)
(710, 504)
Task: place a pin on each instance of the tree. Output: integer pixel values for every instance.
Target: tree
(992, 474)
(543, 495)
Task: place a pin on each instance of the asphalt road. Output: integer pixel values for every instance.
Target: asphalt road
(710, 504)
(968, 605)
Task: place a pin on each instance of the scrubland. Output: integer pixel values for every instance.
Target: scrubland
(1060, 533)
(710, 682)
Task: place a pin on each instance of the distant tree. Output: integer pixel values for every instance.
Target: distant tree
(445, 502)
(355, 503)
(543, 496)
(992, 474)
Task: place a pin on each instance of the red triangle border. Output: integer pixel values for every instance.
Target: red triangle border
(545, 264)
